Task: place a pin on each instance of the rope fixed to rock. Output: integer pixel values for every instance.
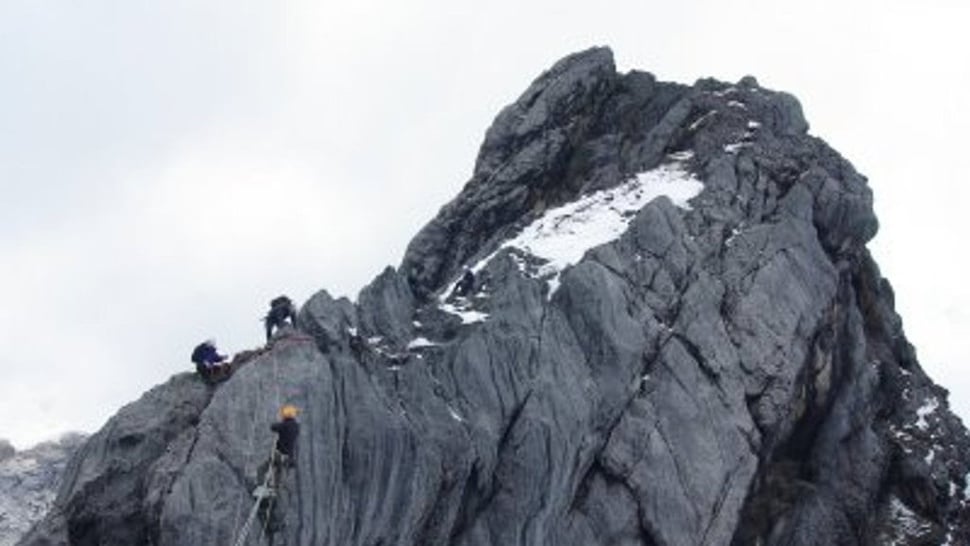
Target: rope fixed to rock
(269, 487)
(261, 492)
(269, 506)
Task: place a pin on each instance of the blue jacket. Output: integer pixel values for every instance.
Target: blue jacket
(206, 354)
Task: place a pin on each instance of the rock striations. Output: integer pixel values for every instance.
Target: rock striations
(676, 337)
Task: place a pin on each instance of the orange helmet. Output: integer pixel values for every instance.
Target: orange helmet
(288, 411)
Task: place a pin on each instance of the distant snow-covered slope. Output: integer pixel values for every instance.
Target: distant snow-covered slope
(28, 483)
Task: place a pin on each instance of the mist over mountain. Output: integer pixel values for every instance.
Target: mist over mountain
(675, 336)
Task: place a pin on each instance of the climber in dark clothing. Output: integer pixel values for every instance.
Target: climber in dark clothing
(358, 344)
(208, 362)
(281, 310)
(466, 285)
(287, 429)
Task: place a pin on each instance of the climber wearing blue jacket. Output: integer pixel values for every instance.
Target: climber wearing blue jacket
(207, 359)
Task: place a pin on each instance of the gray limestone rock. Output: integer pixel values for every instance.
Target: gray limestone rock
(724, 371)
(387, 308)
(329, 321)
(557, 140)
(29, 480)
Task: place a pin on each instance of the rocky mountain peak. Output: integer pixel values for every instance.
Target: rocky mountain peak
(673, 334)
(581, 127)
(576, 86)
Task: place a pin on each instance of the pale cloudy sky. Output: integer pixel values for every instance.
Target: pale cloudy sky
(168, 167)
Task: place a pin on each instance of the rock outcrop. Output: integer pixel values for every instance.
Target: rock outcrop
(28, 483)
(676, 337)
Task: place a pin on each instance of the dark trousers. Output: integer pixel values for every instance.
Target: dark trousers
(277, 318)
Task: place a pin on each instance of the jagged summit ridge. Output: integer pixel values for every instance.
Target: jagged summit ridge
(726, 369)
(560, 236)
(581, 127)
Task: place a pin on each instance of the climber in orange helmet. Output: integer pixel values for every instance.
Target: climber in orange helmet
(286, 429)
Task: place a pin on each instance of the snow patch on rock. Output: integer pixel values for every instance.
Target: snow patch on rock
(929, 406)
(700, 121)
(907, 523)
(420, 343)
(455, 415)
(463, 311)
(562, 235)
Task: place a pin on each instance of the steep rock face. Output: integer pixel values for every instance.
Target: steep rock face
(580, 126)
(29, 481)
(719, 365)
(105, 496)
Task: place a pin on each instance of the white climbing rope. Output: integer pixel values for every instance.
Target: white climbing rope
(276, 379)
(269, 487)
(270, 470)
(272, 499)
(252, 450)
(261, 492)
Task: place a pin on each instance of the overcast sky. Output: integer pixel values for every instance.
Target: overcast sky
(168, 167)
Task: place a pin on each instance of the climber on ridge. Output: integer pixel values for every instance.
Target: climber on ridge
(466, 285)
(281, 310)
(208, 362)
